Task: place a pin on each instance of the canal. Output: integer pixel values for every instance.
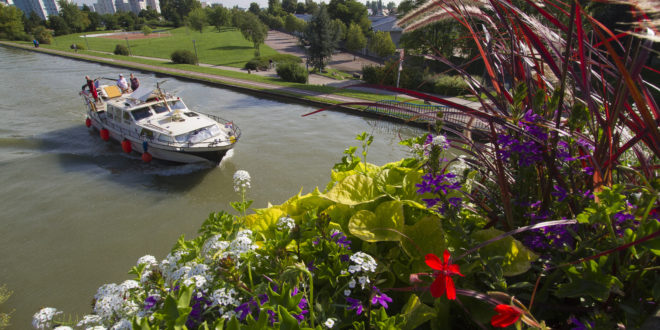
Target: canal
(76, 212)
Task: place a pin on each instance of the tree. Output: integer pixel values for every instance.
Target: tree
(300, 8)
(252, 29)
(126, 20)
(197, 19)
(110, 21)
(149, 14)
(340, 28)
(355, 39)
(350, 11)
(311, 7)
(274, 7)
(94, 21)
(391, 6)
(58, 25)
(293, 24)
(219, 16)
(74, 17)
(321, 38)
(32, 21)
(289, 6)
(381, 44)
(11, 22)
(175, 10)
(43, 35)
(254, 8)
(146, 30)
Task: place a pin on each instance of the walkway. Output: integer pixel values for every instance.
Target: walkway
(319, 98)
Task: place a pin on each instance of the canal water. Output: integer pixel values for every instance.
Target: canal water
(76, 212)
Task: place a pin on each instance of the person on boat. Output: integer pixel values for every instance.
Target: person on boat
(89, 83)
(135, 83)
(122, 84)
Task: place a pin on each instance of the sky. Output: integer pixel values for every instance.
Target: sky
(240, 3)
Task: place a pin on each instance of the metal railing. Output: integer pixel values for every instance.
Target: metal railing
(426, 113)
(123, 131)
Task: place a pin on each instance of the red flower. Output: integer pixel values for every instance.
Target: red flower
(506, 316)
(443, 282)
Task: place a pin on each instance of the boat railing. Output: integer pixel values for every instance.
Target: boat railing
(123, 131)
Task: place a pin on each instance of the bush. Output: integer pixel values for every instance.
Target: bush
(182, 56)
(121, 50)
(43, 35)
(292, 72)
(448, 85)
(262, 62)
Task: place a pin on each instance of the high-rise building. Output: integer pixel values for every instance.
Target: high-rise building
(122, 5)
(105, 7)
(137, 5)
(43, 8)
(154, 4)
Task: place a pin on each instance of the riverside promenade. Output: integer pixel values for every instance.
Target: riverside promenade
(311, 96)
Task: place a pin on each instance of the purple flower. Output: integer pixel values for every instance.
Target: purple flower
(272, 318)
(150, 302)
(588, 170)
(380, 298)
(622, 220)
(344, 258)
(455, 201)
(243, 310)
(578, 325)
(311, 267)
(560, 193)
(341, 239)
(199, 305)
(354, 305)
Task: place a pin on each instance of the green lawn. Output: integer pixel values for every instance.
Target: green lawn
(227, 48)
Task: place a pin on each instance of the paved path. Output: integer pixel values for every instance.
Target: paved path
(273, 89)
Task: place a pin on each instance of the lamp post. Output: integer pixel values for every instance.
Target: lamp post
(307, 61)
(128, 45)
(195, 47)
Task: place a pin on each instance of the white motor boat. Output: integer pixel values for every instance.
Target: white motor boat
(159, 125)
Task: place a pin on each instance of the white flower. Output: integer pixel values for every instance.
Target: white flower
(241, 180)
(362, 262)
(329, 323)
(347, 292)
(212, 246)
(285, 223)
(440, 141)
(129, 284)
(228, 315)
(89, 320)
(42, 319)
(96, 327)
(351, 283)
(224, 297)
(63, 327)
(198, 280)
(123, 324)
(363, 281)
(147, 260)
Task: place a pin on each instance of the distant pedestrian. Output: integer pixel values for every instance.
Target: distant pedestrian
(135, 83)
(270, 63)
(36, 43)
(74, 47)
(89, 83)
(122, 84)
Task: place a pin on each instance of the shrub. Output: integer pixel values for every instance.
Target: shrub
(43, 35)
(292, 72)
(182, 56)
(262, 62)
(121, 50)
(447, 85)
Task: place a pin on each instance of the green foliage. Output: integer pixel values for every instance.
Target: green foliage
(183, 56)
(294, 24)
(121, 50)
(219, 17)
(4, 317)
(251, 28)
(355, 39)
(75, 19)
(293, 72)
(197, 19)
(11, 22)
(321, 38)
(349, 11)
(263, 62)
(146, 30)
(43, 35)
(381, 44)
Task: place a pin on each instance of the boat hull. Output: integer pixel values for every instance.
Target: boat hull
(173, 154)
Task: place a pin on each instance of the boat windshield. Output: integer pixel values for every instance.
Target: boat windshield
(141, 113)
(199, 135)
(159, 107)
(177, 105)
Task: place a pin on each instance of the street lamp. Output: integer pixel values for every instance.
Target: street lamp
(307, 61)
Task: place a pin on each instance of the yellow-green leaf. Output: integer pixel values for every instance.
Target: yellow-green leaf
(385, 224)
(517, 258)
